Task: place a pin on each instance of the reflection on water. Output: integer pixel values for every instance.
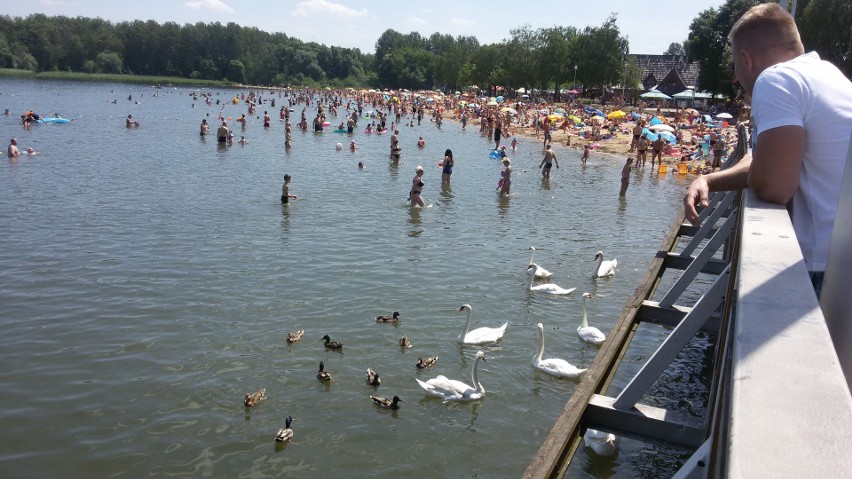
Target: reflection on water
(151, 281)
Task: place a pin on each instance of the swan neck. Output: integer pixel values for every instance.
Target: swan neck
(598, 268)
(474, 375)
(466, 326)
(532, 256)
(585, 314)
(537, 358)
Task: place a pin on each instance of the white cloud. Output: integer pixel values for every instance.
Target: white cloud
(462, 22)
(307, 7)
(217, 5)
(416, 20)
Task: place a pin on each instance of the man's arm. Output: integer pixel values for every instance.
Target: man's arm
(774, 174)
(698, 191)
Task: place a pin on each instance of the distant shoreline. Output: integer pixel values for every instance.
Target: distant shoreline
(109, 77)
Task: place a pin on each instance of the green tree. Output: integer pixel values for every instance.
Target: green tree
(675, 49)
(826, 26)
(109, 62)
(600, 53)
(236, 71)
(708, 44)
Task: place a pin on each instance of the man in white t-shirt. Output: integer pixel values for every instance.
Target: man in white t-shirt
(802, 109)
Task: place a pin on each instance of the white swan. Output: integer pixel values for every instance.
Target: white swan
(479, 335)
(549, 288)
(554, 366)
(452, 390)
(604, 268)
(589, 334)
(603, 443)
(539, 271)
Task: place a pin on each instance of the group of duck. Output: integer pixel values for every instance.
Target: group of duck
(455, 390)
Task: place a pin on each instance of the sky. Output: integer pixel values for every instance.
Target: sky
(650, 27)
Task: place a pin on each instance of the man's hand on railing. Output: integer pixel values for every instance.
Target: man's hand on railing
(696, 194)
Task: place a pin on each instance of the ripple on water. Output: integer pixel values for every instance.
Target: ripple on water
(152, 277)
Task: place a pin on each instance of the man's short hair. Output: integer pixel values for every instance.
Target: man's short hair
(764, 27)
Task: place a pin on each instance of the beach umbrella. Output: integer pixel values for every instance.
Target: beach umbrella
(616, 115)
(598, 119)
(554, 117)
(525, 96)
(491, 103)
(510, 110)
(655, 94)
(661, 127)
(724, 116)
(667, 135)
(575, 119)
(693, 111)
(559, 110)
(499, 99)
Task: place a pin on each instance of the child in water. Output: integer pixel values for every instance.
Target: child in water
(514, 143)
(285, 190)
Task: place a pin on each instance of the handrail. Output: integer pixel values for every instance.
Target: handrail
(790, 408)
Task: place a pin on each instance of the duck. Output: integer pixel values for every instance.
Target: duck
(452, 390)
(423, 363)
(386, 403)
(603, 443)
(255, 398)
(404, 342)
(604, 268)
(539, 271)
(479, 335)
(331, 344)
(589, 334)
(373, 377)
(294, 336)
(322, 374)
(549, 288)
(388, 319)
(554, 366)
(285, 433)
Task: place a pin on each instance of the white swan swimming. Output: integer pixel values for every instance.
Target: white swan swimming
(479, 335)
(604, 268)
(589, 334)
(603, 443)
(554, 366)
(452, 390)
(539, 271)
(549, 288)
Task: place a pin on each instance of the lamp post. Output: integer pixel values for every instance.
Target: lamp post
(574, 84)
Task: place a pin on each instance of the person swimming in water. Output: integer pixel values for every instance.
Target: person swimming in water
(447, 165)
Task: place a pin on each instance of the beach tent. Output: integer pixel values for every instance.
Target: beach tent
(655, 94)
(724, 116)
(684, 95)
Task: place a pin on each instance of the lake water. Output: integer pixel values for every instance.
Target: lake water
(148, 279)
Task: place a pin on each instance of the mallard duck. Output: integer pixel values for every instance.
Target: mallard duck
(254, 398)
(404, 342)
(295, 336)
(388, 319)
(332, 344)
(323, 375)
(285, 433)
(373, 377)
(387, 403)
(426, 362)
(604, 268)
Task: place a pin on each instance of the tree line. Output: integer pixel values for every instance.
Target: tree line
(543, 58)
